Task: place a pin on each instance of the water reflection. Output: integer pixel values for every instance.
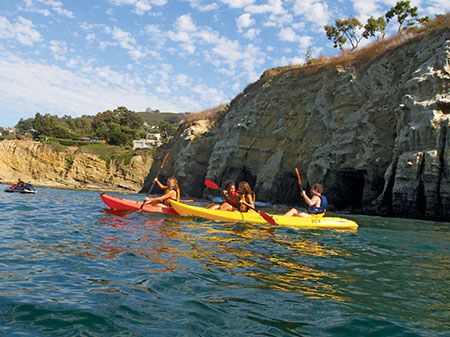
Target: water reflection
(273, 260)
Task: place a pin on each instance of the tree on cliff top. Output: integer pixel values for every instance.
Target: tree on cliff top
(351, 29)
(344, 30)
(402, 10)
(374, 26)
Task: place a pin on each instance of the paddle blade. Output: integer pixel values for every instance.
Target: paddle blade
(166, 155)
(211, 184)
(299, 177)
(267, 217)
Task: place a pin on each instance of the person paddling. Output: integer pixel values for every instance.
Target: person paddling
(231, 199)
(246, 197)
(317, 204)
(172, 192)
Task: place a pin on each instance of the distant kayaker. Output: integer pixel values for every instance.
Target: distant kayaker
(172, 191)
(231, 199)
(317, 204)
(246, 196)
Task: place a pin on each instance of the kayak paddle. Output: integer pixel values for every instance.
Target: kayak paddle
(166, 155)
(265, 215)
(211, 184)
(299, 177)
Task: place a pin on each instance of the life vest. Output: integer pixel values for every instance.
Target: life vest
(321, 209)
(233, 200)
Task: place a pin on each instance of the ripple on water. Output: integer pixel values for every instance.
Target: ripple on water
(71, 268)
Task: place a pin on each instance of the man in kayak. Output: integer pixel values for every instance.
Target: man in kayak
(171, 191)
(231, 199)
(317, 204)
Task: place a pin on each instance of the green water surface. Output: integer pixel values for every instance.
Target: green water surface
(68, 267)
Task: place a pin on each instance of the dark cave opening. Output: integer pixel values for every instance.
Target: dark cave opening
(345, 188)
(238, 174)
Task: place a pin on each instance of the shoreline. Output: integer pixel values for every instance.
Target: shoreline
(73, 187)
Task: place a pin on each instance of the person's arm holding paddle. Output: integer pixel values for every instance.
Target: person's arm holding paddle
(172, 191)
(169, 195)
(161, 186)
(314, 201)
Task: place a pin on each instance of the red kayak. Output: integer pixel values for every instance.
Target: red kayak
(120, 204)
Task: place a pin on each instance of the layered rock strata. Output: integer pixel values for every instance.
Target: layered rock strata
(43, 165)
(376, 135)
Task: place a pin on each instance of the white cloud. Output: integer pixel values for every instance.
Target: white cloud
(244, 21)
(225, 54)
(365, 8)
(278, 20)
(287, 34)
(22, 31)
(90, 37)
(46, 7)
(238, 3)
(314, 11)
(272, 6)
(50, 89)
(185, 23)
(59, 49)
(434, 7)
(209, 94)
(289, 60)
(197, 4)
(252, 33)
(72, 63)
(304, 41)
(140, 6)
(128, 42)
(182, 80)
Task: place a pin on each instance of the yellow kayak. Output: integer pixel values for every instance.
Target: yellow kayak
(252, 216)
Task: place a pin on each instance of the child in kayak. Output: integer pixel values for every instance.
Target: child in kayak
(231, 199)
(246, 197)
(172, 192)
(317, 204)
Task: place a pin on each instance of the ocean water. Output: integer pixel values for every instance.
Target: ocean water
(68, 267)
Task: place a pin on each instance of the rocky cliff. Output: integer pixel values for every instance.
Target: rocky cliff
(42, 164)
(375, 133)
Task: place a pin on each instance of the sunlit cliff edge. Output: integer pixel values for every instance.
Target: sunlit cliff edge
(43, 165)
(372, 126)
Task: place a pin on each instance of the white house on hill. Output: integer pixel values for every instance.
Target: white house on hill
(150, 141)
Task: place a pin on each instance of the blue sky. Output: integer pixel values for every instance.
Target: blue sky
(80, 57)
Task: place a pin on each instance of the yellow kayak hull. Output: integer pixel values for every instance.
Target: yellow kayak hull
(251, 216)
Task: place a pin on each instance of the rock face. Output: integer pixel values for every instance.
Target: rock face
(375, 135)
(43, 165)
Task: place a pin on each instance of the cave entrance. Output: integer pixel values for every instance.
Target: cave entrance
(345, 188)
(238, 174)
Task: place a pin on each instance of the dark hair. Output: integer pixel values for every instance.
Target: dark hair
(245, 187)
(317, 187)
(228, 184)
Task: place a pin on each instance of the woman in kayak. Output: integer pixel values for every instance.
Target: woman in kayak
(246, 197)
(231, 199)
(171, 192)
(317, 204)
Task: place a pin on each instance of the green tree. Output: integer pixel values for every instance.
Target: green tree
(374, 26)
(116, 136)
(24, 125)
(405, 13)
(308, 55)
(344, 30)
(166, 129)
